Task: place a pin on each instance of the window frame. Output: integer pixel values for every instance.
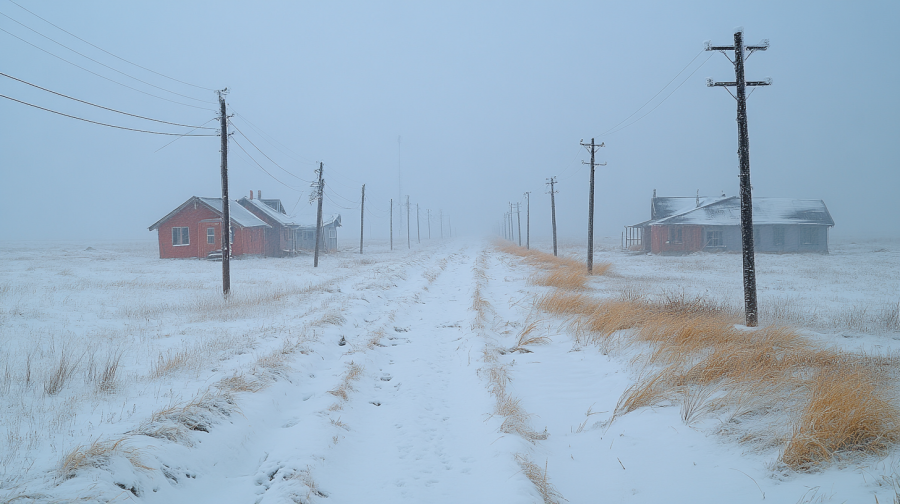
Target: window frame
(211, 236)
(183, 234)
(714, 235)
(676, 235)
(809, 236)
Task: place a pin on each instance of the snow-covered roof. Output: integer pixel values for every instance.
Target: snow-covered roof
(270, 212)
(239, 215)
(326, 221)
(727, 211)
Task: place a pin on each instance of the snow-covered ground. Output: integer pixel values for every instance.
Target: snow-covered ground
(372, 378)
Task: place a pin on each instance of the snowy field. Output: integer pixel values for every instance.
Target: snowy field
(374, 378)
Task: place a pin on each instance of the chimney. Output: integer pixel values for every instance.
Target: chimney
(259, 194)
(251, 194)
(698, 198)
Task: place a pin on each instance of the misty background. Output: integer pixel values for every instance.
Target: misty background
(489, 100)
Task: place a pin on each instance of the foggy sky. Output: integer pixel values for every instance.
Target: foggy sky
(490, 99)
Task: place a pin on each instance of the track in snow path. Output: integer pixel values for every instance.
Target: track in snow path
(413, 427)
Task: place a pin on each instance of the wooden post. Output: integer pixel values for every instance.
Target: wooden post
(319, 218)
(553, 210)
(362, 216)
(226, 210)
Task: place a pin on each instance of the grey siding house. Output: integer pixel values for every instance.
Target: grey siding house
(691, 224)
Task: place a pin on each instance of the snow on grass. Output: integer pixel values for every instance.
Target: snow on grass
(452, 372)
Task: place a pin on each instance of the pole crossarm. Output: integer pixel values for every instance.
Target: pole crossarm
(712, 83)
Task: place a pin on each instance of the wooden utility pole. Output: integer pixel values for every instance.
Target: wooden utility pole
(320, 191)
(512, 231)
(362, 215)
(392, 223)
(590, 253)
(519, 221)
(750, 308)
(418, 230)
(553, 210)
(226, 213)
(408, 244)
(528, 220)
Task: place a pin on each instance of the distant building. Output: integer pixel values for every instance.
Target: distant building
(680, 225)
(194, 229)
(286, 236)
(259, 227)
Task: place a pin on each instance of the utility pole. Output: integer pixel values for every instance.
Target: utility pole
(590, 254)
(519, 220)
(408, 244)
(392, 223)
(527, 220)
(429, 223)
(321, 187)
(418, 231)
(552, 182)
(226, 214)
(750, 308)
(399, 191)
(362, 215)
(512, 232)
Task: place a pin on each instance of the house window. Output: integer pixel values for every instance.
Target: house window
(210, 235)
(809, 236)
(231, 237)
(332, 233)
(714, 239)
(180, 236)
(778, 237)
(675, 234)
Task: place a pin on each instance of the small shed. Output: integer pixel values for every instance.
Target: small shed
(306, 234)
(680, 225)
(281, 236)
(194, 229)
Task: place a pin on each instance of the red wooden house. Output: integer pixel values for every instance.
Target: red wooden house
(194, 229)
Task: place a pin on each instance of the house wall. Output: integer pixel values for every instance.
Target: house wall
(764, 238)
(691, 240)
(277, 238)
(197, 220)
(189, 217)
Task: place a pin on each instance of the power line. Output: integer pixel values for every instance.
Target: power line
(101, 106)
(654, 96)
(272, 141)
(107, 52)
(266, 155)
(100, 63)
(663, 100)
(179, 137)
(261, 166)
(105, 124)
(103, 76)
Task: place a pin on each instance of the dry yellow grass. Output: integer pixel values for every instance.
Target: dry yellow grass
(96, 454)
(692, 353)
(559, 272)
(353, 373)
(539, 478)
(849, 410)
